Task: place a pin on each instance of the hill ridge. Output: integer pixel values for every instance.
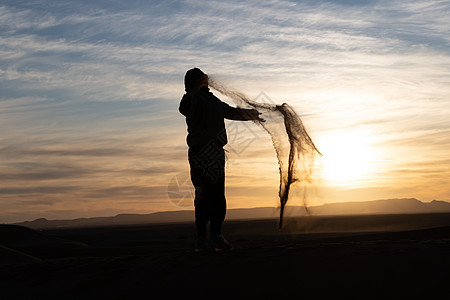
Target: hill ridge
(383, 206)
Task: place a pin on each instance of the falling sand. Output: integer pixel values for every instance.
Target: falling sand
(295, 150)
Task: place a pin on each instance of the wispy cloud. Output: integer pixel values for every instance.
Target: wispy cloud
(90, 90)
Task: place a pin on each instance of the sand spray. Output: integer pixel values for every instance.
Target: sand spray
(294, 147)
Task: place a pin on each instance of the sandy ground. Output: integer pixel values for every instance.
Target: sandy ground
(359, 257)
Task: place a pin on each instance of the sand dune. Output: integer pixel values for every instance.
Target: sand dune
(388, 256)
(25, 243)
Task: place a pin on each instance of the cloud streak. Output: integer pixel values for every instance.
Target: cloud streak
(90, 90)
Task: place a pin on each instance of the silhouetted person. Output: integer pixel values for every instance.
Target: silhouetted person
(205, 114)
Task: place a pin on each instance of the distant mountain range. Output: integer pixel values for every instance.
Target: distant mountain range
(389, 206)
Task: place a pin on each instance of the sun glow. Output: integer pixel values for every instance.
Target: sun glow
(348, 157)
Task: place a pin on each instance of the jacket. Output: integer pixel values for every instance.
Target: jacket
(205, 114)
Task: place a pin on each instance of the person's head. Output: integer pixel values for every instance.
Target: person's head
(194, 79)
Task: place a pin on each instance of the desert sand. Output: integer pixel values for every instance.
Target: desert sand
(360, 257)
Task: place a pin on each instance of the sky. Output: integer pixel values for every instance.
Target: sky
(89, 121)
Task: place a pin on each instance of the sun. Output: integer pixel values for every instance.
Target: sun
(348, 156)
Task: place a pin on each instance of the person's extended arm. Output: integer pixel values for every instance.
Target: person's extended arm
(240, 114)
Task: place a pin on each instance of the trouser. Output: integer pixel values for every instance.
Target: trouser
(207, 164)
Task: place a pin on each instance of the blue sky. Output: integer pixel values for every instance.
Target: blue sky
(89, 123)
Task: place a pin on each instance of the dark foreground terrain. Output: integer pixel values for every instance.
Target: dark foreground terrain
(359, 257)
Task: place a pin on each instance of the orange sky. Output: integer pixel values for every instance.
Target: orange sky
(89, 122)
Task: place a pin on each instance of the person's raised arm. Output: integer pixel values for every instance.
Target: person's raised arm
(241, 114)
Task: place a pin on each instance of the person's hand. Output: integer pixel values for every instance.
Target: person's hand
(254, 115)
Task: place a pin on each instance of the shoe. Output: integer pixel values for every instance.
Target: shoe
(220, 242)
(204, 245)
